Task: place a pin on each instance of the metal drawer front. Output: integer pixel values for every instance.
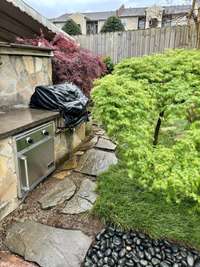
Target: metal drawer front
(36, 163)
(34, 156)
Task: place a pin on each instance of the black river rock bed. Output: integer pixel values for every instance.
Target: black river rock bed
(114, 247)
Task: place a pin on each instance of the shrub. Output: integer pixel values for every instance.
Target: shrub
(109, 64)
(70, 62)
(151, 107)
(72, 28)
(112, 24)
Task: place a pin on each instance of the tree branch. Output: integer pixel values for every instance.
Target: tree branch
(157, 129)
(191, 13)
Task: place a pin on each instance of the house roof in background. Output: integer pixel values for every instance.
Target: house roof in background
(89, 15)
(133, 12)
(126, 12)
(63, 17)
(100, 15)
(177, 9)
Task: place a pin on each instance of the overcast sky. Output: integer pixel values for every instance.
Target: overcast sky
(53, 8)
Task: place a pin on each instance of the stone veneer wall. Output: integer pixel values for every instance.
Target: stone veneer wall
(66, 142)
(8, 178)
(21, 70)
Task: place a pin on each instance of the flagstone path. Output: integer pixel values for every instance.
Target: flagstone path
(54, 226)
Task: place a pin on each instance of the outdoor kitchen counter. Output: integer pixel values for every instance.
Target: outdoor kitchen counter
(18, 120)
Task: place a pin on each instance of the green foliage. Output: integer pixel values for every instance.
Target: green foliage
(113, 24)
(72, 28)
(129, 103)
(109, 64)
(123, 203)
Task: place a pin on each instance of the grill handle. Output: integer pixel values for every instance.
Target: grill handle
(24, 159)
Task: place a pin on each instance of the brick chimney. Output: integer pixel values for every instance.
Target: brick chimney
(120, 10)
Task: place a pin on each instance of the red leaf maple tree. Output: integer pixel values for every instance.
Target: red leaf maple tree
(70, 62)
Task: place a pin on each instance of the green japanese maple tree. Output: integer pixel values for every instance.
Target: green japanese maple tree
(151, 107)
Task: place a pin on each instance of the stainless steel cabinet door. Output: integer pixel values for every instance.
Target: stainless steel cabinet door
(36, 163)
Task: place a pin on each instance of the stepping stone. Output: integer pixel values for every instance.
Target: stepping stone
(61, 175)
(95, 162)
(9, 260)
(61, 192)
(69, 164)
(104, 143)
(100, 132)
(87, 191)
(79, 153)
(48, 246)
(106, 137)
(93, 141)
(90, 144)
(76, 206)
(83, 200)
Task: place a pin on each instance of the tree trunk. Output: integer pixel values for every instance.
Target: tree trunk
(194, 15)
(198, 29)
(157, 129)
(191, 13)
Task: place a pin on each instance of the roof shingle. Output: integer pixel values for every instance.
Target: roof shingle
(133, 12)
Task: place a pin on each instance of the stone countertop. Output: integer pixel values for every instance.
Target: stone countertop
(18, 120)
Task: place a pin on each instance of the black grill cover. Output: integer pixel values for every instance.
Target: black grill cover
(66, 98)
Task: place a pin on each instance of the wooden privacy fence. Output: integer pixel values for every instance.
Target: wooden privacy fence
(119, 45)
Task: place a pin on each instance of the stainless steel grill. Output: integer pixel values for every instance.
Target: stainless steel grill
(34, 156)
